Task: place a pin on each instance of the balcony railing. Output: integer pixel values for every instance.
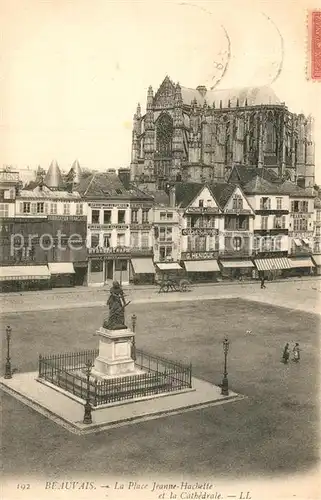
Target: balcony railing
(230, 252)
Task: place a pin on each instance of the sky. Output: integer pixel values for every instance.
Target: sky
(74, 70)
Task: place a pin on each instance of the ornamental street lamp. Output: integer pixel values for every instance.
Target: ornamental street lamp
(226, 345)
(87, 414)
(8, 370)
(134, 320)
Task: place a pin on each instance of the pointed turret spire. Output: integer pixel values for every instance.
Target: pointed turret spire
(75, 172)
(150, 96)
(53, 177)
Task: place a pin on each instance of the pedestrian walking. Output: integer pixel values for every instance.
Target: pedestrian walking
(286, 354)
(296, 353)
(263, 282)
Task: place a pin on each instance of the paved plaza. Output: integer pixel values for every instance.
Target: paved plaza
(273, 430)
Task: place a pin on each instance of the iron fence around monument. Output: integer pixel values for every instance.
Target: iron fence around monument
(158, 375)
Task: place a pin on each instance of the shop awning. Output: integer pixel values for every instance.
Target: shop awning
(301, 262)
(201, 266)
(168, 266)
(273, 264)
(317, 259)
(306, 241)
(237, 263)
(297, 242)
(143, 266)
(61, 267)
(20, 273)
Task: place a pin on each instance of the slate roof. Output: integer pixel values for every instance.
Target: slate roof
(74, 173)
(253, 96)
(101, 185)
(222, 192)
(47, 193)
(186, 192)
(262, 186)
(53, 178)
(245, 174)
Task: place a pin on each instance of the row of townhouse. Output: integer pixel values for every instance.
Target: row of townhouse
(232, 231)
(107, 229)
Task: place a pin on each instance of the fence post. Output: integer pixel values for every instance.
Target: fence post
(95, 392)
(40, 365)
(190, 375)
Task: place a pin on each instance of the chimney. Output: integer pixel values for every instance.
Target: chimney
(124, 177)
(172, 196)
(202, 90)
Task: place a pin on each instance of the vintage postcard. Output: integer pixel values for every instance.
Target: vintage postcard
(160, 216)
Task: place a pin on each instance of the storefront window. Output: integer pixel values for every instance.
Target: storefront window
(121, 265)
(165, 253)
(96, 266)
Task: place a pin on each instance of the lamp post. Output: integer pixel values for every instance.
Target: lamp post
(134, 320)
(226, 345)
(8, 370)
(87, 414)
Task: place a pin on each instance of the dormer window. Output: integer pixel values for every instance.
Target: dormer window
(201, 203)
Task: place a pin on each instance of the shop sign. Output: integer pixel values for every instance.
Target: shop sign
(200, 231)
(198, 255)
(136, 227)
(114, 252)
(202, 210)
(236, 211)
(108, 205)
(236, 233)
(102, 227)
(300, 234)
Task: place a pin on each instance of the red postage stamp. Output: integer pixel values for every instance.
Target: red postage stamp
(314, 26)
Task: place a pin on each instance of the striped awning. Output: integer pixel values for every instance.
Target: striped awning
(317, 259)
(232, 264)
(143, 266)
(201, 266)
(301, 262)
(61, 267)
(273, 264)
(168, 266)
(22, 273)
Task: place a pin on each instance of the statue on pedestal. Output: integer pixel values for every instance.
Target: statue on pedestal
(116, 303)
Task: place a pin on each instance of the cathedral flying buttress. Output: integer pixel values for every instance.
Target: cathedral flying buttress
(199, 135)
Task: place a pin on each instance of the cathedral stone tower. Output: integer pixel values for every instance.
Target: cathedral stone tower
(199, 135)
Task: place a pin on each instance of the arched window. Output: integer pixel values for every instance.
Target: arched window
(270, 137)
(164, 135)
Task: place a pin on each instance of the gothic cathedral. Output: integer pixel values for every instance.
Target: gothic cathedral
(199, 135)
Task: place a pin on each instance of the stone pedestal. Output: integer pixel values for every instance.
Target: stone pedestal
(114, 357)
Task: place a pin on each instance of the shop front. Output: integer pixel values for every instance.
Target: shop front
(201, 267)
(62, 274)
(301, 266)
(237, 269)
(23, 278)
(107, 265)
(142, 270)
(273, 267)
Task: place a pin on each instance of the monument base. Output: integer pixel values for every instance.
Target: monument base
(114, 357)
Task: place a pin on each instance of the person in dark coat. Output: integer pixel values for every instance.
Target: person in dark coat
(296, 353)
(286, 354)
(263, 282)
